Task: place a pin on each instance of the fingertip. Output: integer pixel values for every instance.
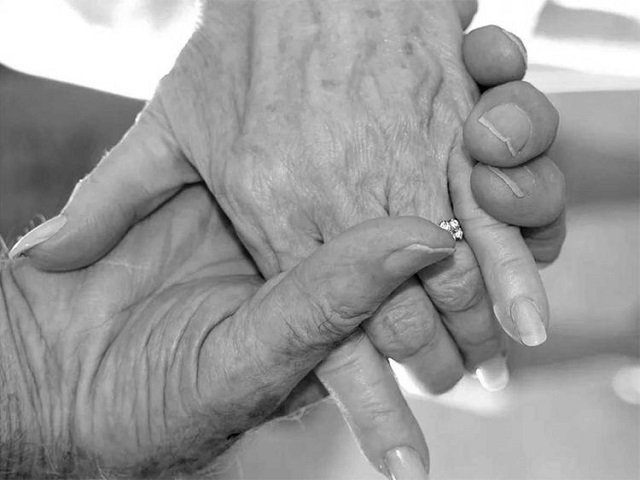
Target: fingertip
(41, 234)
(467, 9)
(434, 369)
(545, 252)
(545, 242)
(530, 195)
(511, 124)
(397, 233)
(79, 244)
(493, 374)
(494, 56)
(530, 322)
(405, 463)
(378, 414)
(510, 273)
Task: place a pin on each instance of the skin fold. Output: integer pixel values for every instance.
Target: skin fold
(303, 118)
(347, 112)
(153, 360)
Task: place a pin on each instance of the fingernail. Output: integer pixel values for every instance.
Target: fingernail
(520, 180)
(509, 124)
(404, 463)
(519, 44)
(416, 256)
(493, 374)
(38, 235)
(528, 321)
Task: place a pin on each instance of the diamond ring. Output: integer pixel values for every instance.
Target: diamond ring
(453, 227)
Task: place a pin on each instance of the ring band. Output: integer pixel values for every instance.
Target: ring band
(453, 227)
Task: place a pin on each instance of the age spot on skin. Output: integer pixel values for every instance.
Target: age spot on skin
(328, 84)
(373, 13)
(416, 34)
(371, 48)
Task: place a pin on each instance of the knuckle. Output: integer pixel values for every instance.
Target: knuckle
(510, 263)
(332, 320)
(403, 330)
(458, 289)
(380, 414)
(343, 315)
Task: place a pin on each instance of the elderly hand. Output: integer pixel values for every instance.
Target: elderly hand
(154, 359)
(302, 129)
(305, 118)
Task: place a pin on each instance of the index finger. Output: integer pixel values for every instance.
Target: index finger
(511, 276)
(362, 383)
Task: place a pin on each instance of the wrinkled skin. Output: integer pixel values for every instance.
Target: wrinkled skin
(155, 358)
(305, 118)
(341, 112)
(301, 129)
(326, 129)
(119, 368)
(331, 131)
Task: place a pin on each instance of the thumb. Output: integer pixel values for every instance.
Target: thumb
(376, 258)
(144, 170)
(296, 319)
(349, 277)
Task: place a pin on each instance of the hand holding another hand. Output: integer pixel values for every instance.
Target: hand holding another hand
(301, 131)
(154, 359)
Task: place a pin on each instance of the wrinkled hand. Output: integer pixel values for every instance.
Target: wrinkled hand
(305, 131)
(156, 357)
(306, 118)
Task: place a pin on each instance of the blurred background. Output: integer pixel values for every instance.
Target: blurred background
(74, 73)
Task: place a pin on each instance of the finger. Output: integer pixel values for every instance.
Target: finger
(141, 172)
(508, 268)
(309, 391)
(494, 56)
(322, 301)
(546, 242)
(467, 9)
(531, 195)
(362, 383)
(456, 288)
(408, 329)
(377, 412)
(511, 124)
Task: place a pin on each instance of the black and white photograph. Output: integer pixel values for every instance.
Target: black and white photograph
(320, 239)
